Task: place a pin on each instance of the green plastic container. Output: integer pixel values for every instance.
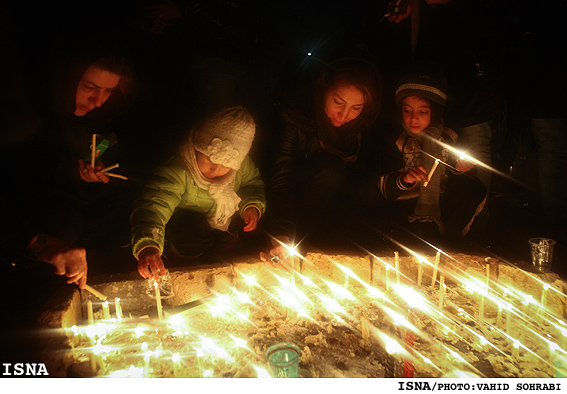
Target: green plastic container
(283, 359)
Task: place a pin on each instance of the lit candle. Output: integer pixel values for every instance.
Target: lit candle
(508, 317)
(441, 290)
(397, 263)
(90, 313)
(435, 268)
(158, 301)
(371, 269)
(431, 172)
(515, 348)
(419, 271)
(118, 308)
(177, 365)
(365, 331)
(499, 316)
(105, 311)
(387, 277)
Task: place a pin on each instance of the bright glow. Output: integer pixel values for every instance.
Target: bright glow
(392, 346)
(347, 271)
(306, 281)
(139, 331)
(330, 304)
(340, 291)
(528, 299)
(413, 298)
(552, 346)
(308, 53)
(374, 292)
(457, 356)
(239, 342)
(207, 373)
(398, 319)
(250, 280)
(261, 372)
(176, 358)
(461, 374)
(74, 329)
(210, 346)
(144, 346)
(243, 297)
(131, 372)
(176, 321)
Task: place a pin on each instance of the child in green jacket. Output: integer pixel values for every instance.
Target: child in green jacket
(200, 189)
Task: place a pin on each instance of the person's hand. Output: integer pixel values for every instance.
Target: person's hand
(464, 165)
(280, 245)
(90, 174)
(397, 18)
(150, 264)
(66, 259)
(251, 217)
(415, 174)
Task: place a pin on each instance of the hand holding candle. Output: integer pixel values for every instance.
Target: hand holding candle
(433, 168)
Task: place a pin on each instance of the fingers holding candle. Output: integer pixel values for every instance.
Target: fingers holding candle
(433, 168)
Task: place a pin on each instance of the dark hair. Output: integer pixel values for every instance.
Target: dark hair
(116, 65)
(435, 109)
(357, 72)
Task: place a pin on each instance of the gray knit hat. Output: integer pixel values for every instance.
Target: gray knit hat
(226, 136)
(423, 84)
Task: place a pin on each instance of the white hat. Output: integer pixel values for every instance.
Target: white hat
(226, 136)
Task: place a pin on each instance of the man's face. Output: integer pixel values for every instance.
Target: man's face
(94, 89)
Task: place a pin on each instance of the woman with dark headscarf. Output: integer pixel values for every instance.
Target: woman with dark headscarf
(317, 165)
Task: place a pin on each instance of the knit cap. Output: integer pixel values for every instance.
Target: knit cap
(432, 86)
(226, 136)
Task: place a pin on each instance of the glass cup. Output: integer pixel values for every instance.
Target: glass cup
(164, 284)
(542, 253)
(283, 359)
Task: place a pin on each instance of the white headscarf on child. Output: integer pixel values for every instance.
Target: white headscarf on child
(226, 138)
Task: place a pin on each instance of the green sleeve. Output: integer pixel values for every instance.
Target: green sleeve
(161, 195)
(252, 190)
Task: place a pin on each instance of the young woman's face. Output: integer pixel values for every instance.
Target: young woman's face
(94, 89)
(209, 169)
(343, 103)
(416, 113)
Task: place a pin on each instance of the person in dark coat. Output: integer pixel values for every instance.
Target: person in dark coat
(317, 169)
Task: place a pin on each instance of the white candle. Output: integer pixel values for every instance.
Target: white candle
(105, 311)
(177, 365)
(397, 263)
(508, 318)
(499, 316)
(441, 291)
(365, 331)
(371, 269)
(431, 172)
(90, 313)
(419, 271)
(118, 308)
(158, 301)
(93, 150)
(96, 293)
(435, 268)
(387, 277)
